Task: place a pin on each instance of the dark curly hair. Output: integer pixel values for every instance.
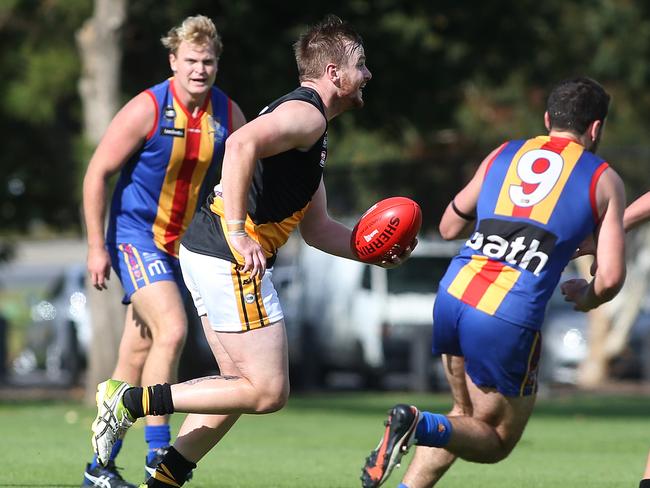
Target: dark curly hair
(575, 103)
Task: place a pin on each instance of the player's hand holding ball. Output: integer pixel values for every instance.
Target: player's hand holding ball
(386, 234)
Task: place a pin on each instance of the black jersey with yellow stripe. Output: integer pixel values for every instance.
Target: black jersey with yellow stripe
(281, 190)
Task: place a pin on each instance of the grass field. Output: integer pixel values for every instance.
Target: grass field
(320, 441)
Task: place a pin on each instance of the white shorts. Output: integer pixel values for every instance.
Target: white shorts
(232, 301)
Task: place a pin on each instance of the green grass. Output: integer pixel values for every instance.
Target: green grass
(320, 441)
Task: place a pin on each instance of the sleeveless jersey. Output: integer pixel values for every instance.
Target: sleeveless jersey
(537, 203)
(177, 166)
(281, 190)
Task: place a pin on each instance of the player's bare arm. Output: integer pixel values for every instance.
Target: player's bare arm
(637, 212)
(125, 134)
(459, 215)
(319, 230)
(293, 125)
(610, 249)
(238, 117)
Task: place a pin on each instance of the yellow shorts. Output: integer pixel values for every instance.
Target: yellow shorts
(231, 300)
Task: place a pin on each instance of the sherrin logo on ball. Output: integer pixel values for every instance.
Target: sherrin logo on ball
(387, 224)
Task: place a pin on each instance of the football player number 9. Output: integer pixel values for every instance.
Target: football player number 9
(538, 170)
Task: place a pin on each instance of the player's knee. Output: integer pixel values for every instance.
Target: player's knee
(497, 455)
(270, 405)
(505, 447)
(137, 359)
(172, 336)
(272, 399)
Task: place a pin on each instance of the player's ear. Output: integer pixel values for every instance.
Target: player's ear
(594, 129)
(547, 121)
(172, 62)
(332, 72)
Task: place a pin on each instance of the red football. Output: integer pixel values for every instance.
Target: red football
(390, 222)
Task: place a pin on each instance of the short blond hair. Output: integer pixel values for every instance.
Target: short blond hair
(198, 29)
(330, 41)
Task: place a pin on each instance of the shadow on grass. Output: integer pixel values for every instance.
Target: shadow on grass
(378, 403)
(594, 405)
(577, 404)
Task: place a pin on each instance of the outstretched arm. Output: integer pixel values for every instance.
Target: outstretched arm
(637, 213)
(319, 230)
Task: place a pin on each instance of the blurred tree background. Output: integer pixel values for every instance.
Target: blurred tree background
(451, 80)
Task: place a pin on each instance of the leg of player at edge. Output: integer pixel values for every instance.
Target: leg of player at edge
(214, 402)
(484, 426)
(645, 482)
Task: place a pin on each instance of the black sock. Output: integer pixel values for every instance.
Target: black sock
(150, 400)
(645, 483)
(172, 470)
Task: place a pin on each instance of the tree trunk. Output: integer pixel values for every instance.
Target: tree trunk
(611, 323)
(99, 43)
(594, 369)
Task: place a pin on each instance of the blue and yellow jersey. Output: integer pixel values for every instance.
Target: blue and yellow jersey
(537, 203)
(157, 193)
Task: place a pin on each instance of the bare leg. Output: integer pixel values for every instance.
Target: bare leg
(200, 433)
(429, 464)
(646, 475)
(134, 348)
(486, 426)
(495, 427)
(160, 306)
(254, 380)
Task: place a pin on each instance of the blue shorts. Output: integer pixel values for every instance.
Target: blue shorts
(138, 265)
(498, 354)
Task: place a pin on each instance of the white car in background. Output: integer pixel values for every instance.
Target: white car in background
(59, 335)
(58, 338)
(343, 315)
(564, 343)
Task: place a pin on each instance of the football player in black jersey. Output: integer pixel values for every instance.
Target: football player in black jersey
(271, 184)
